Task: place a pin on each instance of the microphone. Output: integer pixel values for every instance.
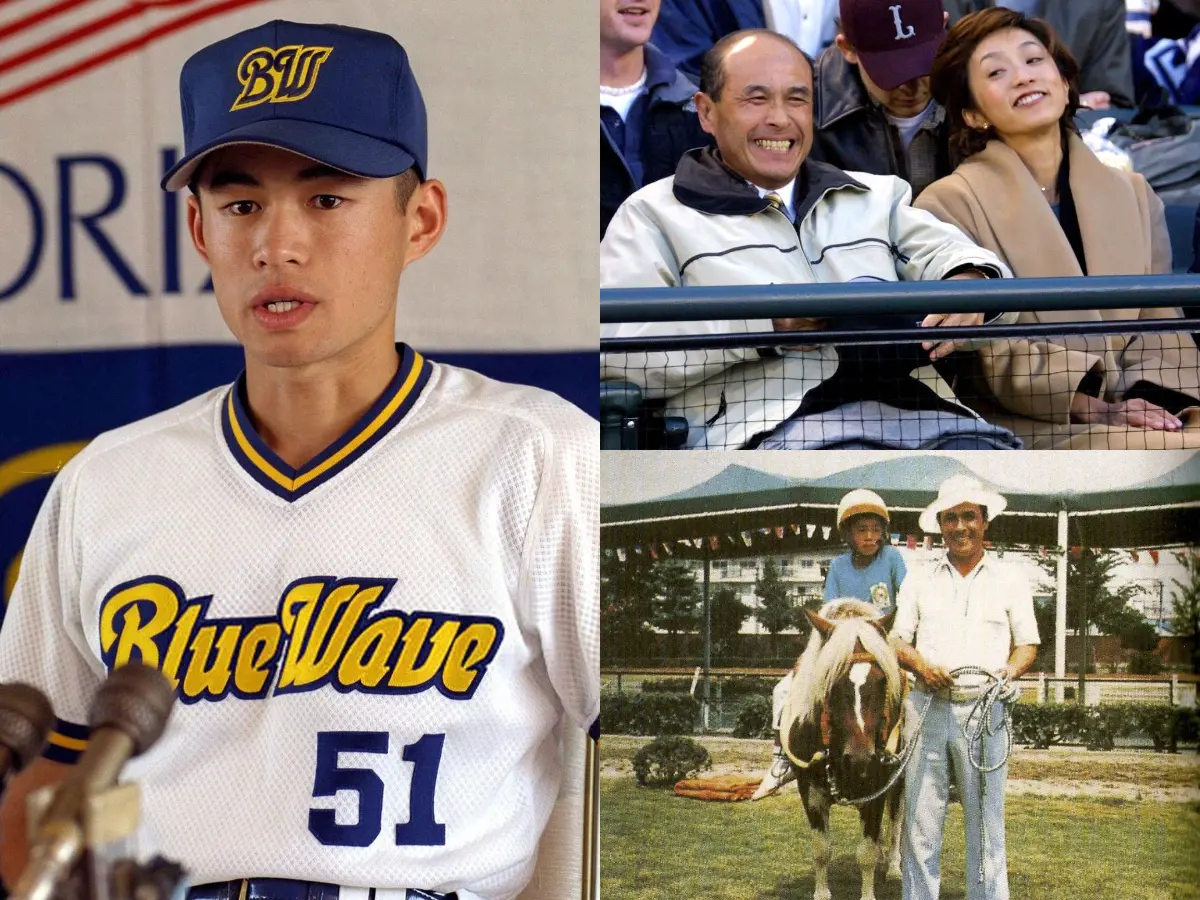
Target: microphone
(26, 721)
(128, 715)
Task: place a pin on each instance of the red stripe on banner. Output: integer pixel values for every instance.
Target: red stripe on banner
(63, 6)
(135, 8)
(48, 12)
(69, 37)
(120, 50)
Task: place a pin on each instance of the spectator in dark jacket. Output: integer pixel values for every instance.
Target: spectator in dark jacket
(687, 28)
(647, 117)
(874, 110)
(1094, 32)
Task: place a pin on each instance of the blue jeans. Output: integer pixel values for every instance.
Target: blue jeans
(942, 745)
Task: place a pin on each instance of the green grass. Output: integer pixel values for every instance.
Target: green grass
(654, 845)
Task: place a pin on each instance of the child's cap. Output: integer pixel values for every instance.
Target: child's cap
(861, 501)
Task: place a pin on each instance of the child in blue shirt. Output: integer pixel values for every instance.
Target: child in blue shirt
(873, 569)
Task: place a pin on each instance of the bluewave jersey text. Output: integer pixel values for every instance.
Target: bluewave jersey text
(325, 632)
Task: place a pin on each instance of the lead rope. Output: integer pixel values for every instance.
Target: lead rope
(982, 723)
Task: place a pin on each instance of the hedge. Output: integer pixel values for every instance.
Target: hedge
(730, 688)
(668, 759)
(1098, 727)
(754, 718)
(1036, 725)
(648, 713)
(667, 686)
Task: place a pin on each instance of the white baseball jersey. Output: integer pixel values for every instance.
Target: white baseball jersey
(372, 653)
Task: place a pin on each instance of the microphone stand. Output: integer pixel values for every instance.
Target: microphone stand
(103, 840)
(82, 832)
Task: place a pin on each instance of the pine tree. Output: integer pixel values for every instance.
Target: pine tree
(677, 606)
(728, 614)
(776, 606)
(627, 592)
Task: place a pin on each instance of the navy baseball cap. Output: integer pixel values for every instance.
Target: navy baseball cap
(345, 97)
(896, 40)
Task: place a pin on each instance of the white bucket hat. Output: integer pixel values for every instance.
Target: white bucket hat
(861, 501)
(961, 489)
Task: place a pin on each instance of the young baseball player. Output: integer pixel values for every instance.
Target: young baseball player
(872, 571)
(373, 578)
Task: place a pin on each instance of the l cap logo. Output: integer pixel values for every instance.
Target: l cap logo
(903, 32)
(284, 75)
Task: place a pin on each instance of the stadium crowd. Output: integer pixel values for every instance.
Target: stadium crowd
(815, 141)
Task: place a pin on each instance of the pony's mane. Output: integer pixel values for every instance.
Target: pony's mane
(823, 661)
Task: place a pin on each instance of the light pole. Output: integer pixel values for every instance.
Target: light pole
(1083, 632)
(707, 637)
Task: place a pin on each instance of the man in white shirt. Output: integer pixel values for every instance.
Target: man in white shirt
(971, 609)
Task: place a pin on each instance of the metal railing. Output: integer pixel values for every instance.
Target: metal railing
(679, 375)
(990, 296)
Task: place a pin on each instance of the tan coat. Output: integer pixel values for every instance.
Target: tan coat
(994, 199)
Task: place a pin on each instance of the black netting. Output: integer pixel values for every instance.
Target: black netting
(1094, 390)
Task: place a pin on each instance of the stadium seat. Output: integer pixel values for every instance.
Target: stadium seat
(1181, 224)
(627, 422)
(620, 410)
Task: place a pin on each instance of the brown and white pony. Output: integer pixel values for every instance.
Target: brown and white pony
(840, 727)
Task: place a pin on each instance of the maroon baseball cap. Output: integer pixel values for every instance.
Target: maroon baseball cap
(895, 40)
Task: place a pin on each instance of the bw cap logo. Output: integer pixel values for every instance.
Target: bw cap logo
(278, 76)
(345, 97)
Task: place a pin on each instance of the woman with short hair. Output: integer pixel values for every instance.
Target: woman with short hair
(1027, 187)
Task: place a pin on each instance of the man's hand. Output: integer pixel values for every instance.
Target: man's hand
(799, 325)
(1095, 100)
(1130, 413)
(936, 677)
(934, 320)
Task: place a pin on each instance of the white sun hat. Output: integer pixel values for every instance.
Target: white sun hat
(861, 501)
(961, 489)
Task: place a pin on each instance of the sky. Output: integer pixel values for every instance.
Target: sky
(633, 476)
